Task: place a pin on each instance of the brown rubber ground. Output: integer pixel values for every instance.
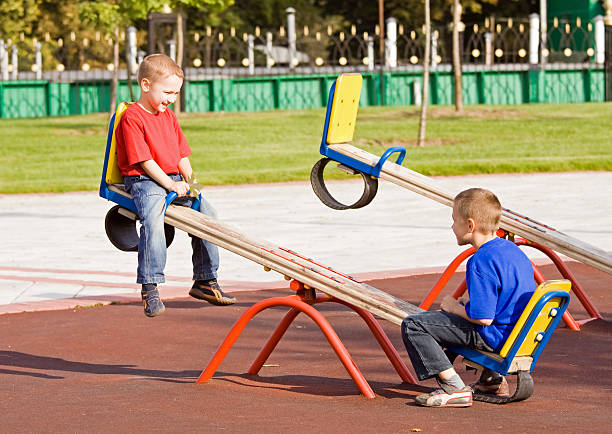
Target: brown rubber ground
(111, 369)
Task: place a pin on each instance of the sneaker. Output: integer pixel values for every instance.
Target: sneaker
(439, 398)
(153, 305)
(210, 291)
(497, 389)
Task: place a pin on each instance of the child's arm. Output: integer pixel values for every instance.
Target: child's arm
(157, 174)
(451, 305)
(185, 168)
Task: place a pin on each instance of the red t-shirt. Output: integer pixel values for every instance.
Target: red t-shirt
(145, 136)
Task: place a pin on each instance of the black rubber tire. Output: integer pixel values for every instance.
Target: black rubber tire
(524, 386)
(121, 231)
(370, 187)
(524, 389)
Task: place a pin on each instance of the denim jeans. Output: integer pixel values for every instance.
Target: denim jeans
(426, 334)
(150, 200)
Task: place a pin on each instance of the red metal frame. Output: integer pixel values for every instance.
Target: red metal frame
(302, 302)
(539, 278)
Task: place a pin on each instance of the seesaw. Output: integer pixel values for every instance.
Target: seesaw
(339, 127)
(307, 275)
(338, 132)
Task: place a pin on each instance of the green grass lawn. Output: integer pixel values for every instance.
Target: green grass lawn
(66, 153)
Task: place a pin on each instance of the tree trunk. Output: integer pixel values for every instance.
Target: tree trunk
(179, 53)
(381, 47)
(129, 77)
(426, 62)
(457, 57)
(115, 80)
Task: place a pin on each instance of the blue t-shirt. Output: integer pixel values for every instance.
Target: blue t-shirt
(500, 283)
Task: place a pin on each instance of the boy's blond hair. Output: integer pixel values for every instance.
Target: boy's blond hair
(156, 66)
(480, 205)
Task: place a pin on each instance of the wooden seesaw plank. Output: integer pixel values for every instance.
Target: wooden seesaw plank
(288, 263)
(511, 221)
(291, 264)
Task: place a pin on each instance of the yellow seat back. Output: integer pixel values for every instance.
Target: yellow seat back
(541, 323)
(345, 104)
(113, 174)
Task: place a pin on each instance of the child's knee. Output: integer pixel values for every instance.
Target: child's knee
(207, 209)
(154, 227)
(409, 325)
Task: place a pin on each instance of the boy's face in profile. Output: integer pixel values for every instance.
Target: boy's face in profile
(157, 94)
(461, 228)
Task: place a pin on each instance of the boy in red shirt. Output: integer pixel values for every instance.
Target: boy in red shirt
(152, 153)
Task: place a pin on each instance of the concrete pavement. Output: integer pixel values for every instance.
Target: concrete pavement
(55, 252)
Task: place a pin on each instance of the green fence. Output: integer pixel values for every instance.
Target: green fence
(21, 99)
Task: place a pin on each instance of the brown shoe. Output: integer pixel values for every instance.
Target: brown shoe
(210, 291)
(497, 389)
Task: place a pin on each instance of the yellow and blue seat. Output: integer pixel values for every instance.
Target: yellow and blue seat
(111, 175)
(338, 129)
(524, 345)
(120, 221)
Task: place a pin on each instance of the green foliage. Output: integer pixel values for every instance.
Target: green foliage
(117, 13)
(17, 16)
(34, 19)
(318, 14)
(66, 154)
(364, 13)
(199, 3)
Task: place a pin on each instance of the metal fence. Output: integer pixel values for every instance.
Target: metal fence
(568, 84)
(503, 61)
(218, 52)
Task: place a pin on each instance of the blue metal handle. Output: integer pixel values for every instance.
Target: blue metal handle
(170, 197)
(386, 155)
(196, 201)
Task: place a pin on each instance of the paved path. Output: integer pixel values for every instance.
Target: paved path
(54, 245)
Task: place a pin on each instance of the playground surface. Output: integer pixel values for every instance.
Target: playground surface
(110, 369)
(71, 362)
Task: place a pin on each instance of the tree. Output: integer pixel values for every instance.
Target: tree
(363, 13)
(22, 22)
(109, 17)
(112, 15)
(426, 61)
(268, 14)
(457, 56)
(180, 6)
(17, 16)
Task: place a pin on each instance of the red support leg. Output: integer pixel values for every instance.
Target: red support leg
(383, 341)
(539, 278)
(567, 274)
(273, 341)
(446, 276)
(297, 303)
(570, 322)
(375, 328)
(460, 289)
(233, 335)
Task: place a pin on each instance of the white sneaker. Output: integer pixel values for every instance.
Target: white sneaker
(439, 398)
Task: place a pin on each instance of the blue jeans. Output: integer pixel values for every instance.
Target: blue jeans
(426, 334)
(150, 200)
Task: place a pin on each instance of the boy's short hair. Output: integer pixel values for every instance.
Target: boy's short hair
(480, 205)
(156, 66)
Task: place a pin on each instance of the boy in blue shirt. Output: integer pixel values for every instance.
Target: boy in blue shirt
(500, 283)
